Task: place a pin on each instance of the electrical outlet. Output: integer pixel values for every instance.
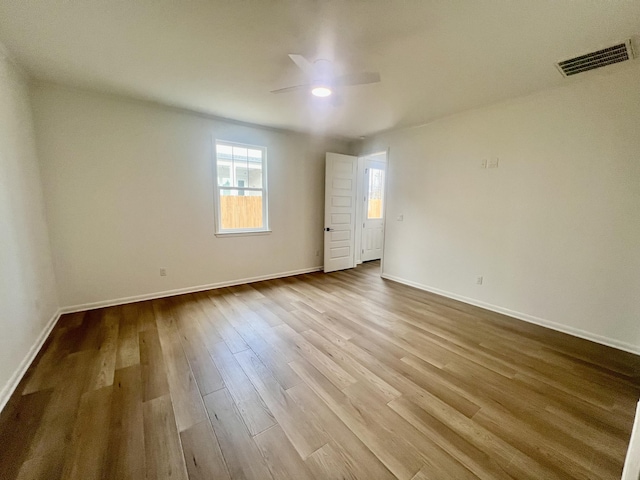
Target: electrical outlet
(493, 162)
(400, 218)
(479, 280)
(317, 253)
(163, 272)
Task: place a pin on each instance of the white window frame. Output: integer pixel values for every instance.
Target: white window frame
(265, 198)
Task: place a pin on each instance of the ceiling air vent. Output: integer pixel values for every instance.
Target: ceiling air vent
(607, 56)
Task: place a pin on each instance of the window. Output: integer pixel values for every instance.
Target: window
(376, 193)
(241, 188)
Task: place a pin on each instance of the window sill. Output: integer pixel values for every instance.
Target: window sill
(243, 234)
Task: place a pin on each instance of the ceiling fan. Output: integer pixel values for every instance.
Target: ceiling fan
(322, 78)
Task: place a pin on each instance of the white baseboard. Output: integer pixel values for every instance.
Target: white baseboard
(576, 332)
(12, 384)
(180, 291)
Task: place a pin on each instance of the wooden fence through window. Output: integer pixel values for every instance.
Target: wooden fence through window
(375, 208)
(240, 211)
(246, 212)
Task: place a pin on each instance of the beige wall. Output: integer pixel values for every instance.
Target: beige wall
(28, 301)
(554, 231)
(129, 190)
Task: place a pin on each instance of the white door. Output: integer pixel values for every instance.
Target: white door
(373, 212)
(339, 211)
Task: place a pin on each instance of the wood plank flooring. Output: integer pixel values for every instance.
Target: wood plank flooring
(338, 376)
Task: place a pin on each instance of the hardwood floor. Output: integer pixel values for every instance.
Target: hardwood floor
(338, 376)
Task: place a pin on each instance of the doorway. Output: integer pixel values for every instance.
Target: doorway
(354, 209)
(372, 170)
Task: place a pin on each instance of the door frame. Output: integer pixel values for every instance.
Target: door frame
(360, 192)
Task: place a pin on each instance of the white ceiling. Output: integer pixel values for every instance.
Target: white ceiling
(223, 57)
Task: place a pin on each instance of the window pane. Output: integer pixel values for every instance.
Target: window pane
(224, 174)
(224, 150)
(239, 152)
(254, 158)
(240, 168)
(240, 209)
(224, 154)
(255, 176)
(242, 176)
(254, 155)
(376, 193)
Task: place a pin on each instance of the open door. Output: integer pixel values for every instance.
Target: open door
(340, 211)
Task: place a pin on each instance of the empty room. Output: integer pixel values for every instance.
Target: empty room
(307, 239)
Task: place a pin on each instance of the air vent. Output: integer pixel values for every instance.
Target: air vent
(607, 56)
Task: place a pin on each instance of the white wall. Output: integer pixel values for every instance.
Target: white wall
(555, 230)
(28, 301)
(129, 189)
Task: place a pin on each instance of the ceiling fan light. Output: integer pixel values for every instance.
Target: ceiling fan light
(321, 91)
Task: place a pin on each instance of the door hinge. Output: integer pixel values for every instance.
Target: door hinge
(366, 170)
(362, 224)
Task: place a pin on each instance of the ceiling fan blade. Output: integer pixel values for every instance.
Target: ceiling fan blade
(295, 88)
(360, 78)
(302, 63)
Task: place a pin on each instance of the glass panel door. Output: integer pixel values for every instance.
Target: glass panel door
(375, 197)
